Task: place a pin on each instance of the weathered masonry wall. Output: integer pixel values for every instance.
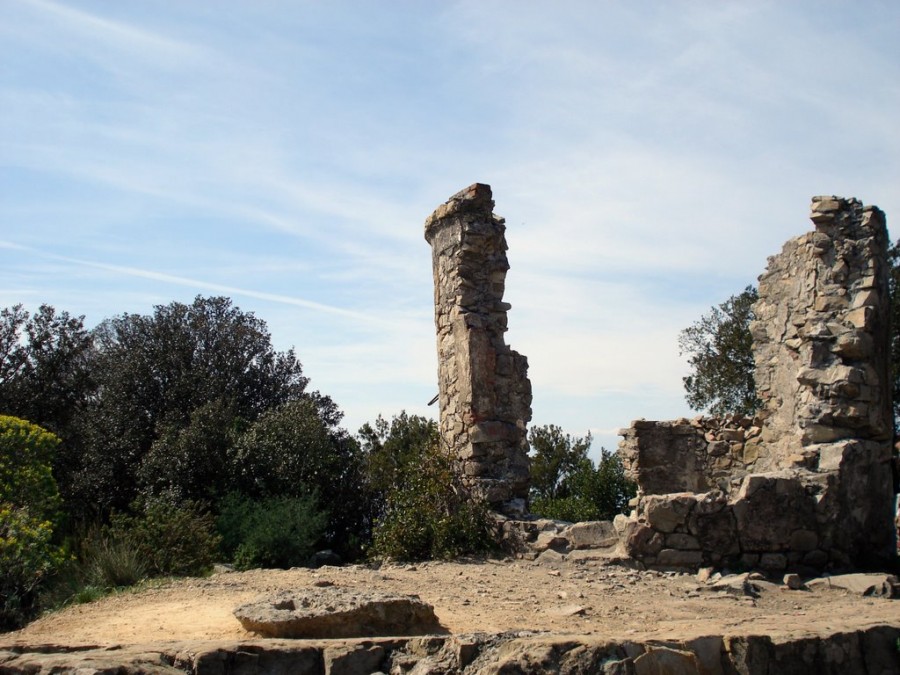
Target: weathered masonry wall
(822, 334)
(807, 483)
(696, 455)
(485, 395)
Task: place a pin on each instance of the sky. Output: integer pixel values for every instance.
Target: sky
(647, 157)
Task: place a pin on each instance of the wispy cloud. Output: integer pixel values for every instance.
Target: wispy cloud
(647, 158)
(122, 36)
(205, 285)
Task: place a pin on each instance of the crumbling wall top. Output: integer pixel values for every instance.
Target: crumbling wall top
(475, 199)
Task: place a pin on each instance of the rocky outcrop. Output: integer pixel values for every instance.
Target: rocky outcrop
(485, 395)
(870, 651)
(806, 485)
(529, 538)
(333, 612)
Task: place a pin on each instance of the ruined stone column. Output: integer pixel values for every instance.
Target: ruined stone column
(822, 351)
(485, 395)
(822, 333)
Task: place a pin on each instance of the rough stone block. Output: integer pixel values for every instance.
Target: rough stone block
(591, 534)
(670, 557)
(773, 561)
(666, 512)
(333, 612)
(640, 540)
(683, 542)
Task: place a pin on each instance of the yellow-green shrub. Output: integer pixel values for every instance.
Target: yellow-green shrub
(28, 503)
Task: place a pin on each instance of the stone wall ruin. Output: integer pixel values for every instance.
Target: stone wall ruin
(806, 484)
(485, 395)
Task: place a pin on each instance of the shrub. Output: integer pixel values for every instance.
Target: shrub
(429, 513)
(26, 455)
(570, 509)
(28, 503)
(111, 560)
(274, 532)
(172, 538)
(27, 560)
(292, 450)
(593, 493)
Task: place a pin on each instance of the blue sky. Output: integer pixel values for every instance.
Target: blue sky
(648, 157)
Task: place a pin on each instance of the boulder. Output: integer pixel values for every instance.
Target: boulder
(591, 534)
(886, 585)
(335, 612)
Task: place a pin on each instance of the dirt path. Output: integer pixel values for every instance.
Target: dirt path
(584, 597)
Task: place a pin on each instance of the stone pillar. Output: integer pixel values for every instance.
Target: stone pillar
(485, 395)
(821, 337)
(822, 351)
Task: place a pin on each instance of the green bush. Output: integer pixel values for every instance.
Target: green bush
(570, 509)
(172, 538)
(429, 514)
(28, 503)
(111, 560)
(591, 493)
(277, 532)
(27, 560)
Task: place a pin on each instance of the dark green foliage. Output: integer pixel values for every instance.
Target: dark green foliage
(28, 508)
(555, 457)
(44, 366)
(565, 484)
(192, 462)
(607, 487)
(389, 448)
(290, 451)
(272, 532)
(592, 493)
(172, 538)
(285, 449)
(159, 375)
(424, 511)
(894, 285)
(46, 377)
(720, 354)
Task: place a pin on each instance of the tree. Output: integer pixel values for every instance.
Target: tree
(45, 368)
(603, 490)
(291, 452)
(192, 461)
(720, 354)
(555, 458)
(565, 483)
(167, 381)
(46, 377)
(894, 287)
(389, 448)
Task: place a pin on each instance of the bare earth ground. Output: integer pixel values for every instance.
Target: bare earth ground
(571, 597)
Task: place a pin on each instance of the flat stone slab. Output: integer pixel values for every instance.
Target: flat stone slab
(335, 612)
(886, 585)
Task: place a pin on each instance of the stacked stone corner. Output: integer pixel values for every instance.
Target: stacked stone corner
(807, 483)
